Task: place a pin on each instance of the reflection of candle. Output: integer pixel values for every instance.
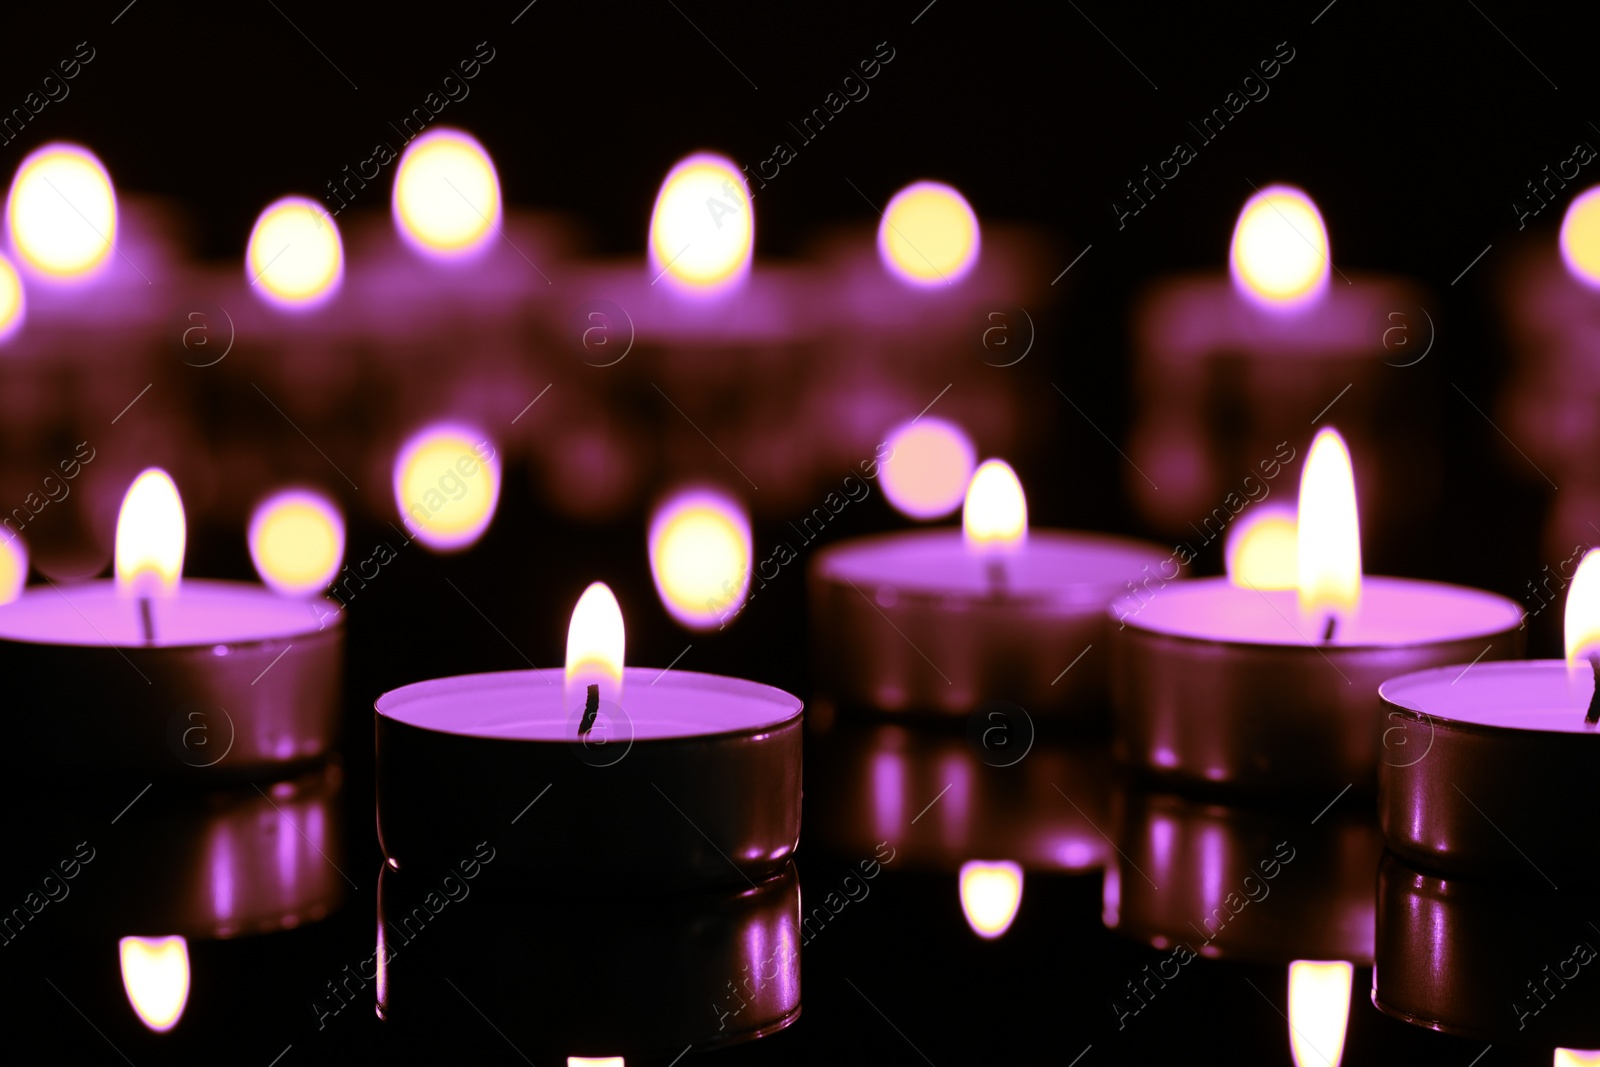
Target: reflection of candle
(942, 620)
(1319, 1011)
(991, 893)
(1273, 688)
(1496, 775)
(155, 975)
(151, 668)
(690, 777)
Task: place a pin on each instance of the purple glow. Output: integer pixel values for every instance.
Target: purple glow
(888, 793)
(1537, 694)
(202, 613)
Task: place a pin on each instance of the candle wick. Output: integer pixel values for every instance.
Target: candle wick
(1593, 716)
(1328, 631)
(591, 708)
(147, 621)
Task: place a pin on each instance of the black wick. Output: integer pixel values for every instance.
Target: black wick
(591, 709)
(1329, 630)
(1594, 701)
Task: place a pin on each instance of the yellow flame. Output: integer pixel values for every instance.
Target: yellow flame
(13, 301)
(297, 541)
(1328, 556)
(62, 212)
(151, 535)
(991, 892)
(1319, 1011)
(1262, 550)
(1580, 236)
(446, 485)
(446, 193)
(596, 642)
(155, 974)
(700, 558)
(1576, 1057)
(929, 234)
(595, 1061)
(1582, 619)
(1280, 247)
(702, 231)
(13, 567)
(996, 512)
(295, 257)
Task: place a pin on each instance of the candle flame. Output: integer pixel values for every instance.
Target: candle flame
(1328, 559)
(155, 974)
(995, 514)
(1576, 1057)
(991, 892)
(1580, 237)
(929, 466)
(1262, 549)
(700, 558)
(595, 1061)
(62, 212)
(13, 567)
(13, 300)
(929, 234)
(595, 644)
(1582, 618)
(151, 535)
(447, 485)
(1319, 1011)
(703, 228)
(446, 194)
(1279, 256)
(297, 541)
(295, 258)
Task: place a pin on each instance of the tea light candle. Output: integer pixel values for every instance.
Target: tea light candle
(160, 675)
(689, 779)
(1499, 761)
(1274, 688)
(942, 620)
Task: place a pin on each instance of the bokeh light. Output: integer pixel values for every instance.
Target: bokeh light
(929, 234)
(62, 212)
(447, 195)
(297, 541)
(703, 227)
(295, 257)
(1279, 256)
(155, 975)
(700, 557)
(991, 893)
(13, 299)
(446, 485)
(13, 567)
(929, 465)
(1580, 237)
(1263, 550)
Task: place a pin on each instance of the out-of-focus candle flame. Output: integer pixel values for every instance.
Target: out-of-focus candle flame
(595, 1061)
(295, 258)
(995, 515)
(1582, 618)
(1319, 1011)
(297, 541)
(155, 974)
(1328, 555)
(151, 536)
(62, 212)
(13, 300)
(929, 466)
(447, 485)
(703, 228)
(446, 194)
(1580, 237)
(1279, 256)
(700, 557)
(596, 643)
(1576, 1057)
(13, 567)
(991, 892)
(1262, 549)
(929, 235)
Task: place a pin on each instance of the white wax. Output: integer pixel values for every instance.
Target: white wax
(1520, 694)
(1392, 612)
(531, 705)
(200, 613)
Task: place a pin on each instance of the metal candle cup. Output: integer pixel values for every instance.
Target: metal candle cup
(1217, 683)
(916, 622)
(238, 680)
(694, 783)
(1496, 777)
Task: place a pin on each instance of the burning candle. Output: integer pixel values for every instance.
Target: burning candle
(691, 779)
(447, 195)
(161, 674)
(929, 235)
(702, 229)
(943, 620)
(295, 259)
(1273, 688)
(62, 214)
(1498, 762)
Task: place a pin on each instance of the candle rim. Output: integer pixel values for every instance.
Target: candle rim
(1389, 697)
